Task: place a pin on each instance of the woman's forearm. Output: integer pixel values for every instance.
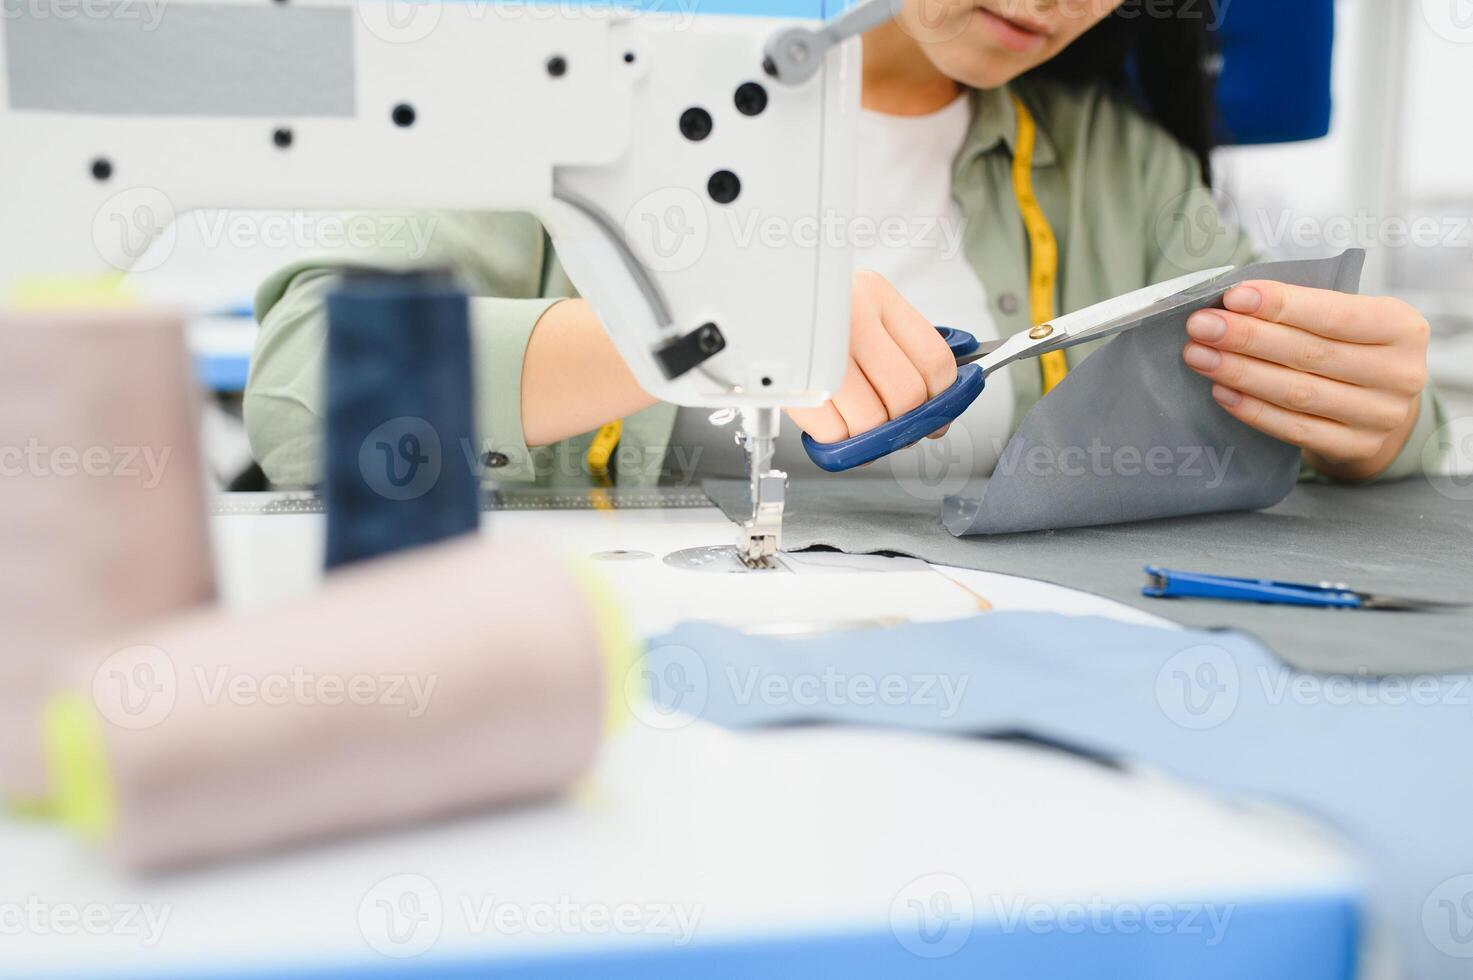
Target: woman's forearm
(573, 380)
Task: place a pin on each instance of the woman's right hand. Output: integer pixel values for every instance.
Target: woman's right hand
(897, 362)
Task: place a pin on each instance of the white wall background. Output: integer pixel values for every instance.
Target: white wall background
(1394, 176)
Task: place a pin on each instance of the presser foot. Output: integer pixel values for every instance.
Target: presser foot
(762, 536)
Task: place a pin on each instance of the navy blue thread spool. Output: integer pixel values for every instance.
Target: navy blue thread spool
(398, 452)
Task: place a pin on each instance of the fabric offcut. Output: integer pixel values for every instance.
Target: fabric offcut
(1411, 538)
(399, 465)
(1378, 760)
(1130, 433)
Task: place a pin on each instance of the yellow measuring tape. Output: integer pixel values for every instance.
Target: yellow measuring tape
(1043, 248)
(601, 450)
(1043, 271)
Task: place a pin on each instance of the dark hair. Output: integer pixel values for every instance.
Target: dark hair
(1159, 55)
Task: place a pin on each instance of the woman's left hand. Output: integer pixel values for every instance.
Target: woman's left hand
(1337, 375)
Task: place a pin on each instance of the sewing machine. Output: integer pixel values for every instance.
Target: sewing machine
(650, 142)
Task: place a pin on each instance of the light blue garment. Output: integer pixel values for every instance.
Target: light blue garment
(1384, 761)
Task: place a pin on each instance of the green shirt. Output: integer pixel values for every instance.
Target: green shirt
(1126, 202)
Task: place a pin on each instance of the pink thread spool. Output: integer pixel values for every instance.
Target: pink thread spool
(458, 677)
(102, 512)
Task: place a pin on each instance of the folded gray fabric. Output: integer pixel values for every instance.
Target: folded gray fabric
(1133, 433)
(1402, 538)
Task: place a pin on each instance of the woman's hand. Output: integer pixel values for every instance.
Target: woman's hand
(1339, 376)
(897, 362)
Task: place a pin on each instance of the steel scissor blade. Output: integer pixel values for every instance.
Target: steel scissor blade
(1095, 322)
(984, 348)
(1372, 601)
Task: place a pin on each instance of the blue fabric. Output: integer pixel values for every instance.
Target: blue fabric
(1275, 82)
(1382, 760)
(398, 458)
(223, 373)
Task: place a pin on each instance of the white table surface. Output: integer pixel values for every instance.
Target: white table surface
(794, 832)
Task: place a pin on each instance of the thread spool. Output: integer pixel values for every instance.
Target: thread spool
(102, 510)
(399, 454)
(227, 733)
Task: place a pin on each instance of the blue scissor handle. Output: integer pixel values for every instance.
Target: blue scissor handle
(1168, 584)
(911, 427)
(960, 342)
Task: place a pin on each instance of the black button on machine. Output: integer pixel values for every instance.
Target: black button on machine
(751, 99)
(695, 124)
(724, 186)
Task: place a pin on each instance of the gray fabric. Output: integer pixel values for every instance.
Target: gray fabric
(151, 58)
(1133, 433)
(1403, 538)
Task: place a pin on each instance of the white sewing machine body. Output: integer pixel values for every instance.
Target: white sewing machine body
(569, 111)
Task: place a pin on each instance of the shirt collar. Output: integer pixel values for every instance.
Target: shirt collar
(995, 123)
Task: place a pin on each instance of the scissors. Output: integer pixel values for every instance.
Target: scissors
(977, 359)
(1164, 583)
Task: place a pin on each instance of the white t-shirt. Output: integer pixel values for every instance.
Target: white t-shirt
(909, 229)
